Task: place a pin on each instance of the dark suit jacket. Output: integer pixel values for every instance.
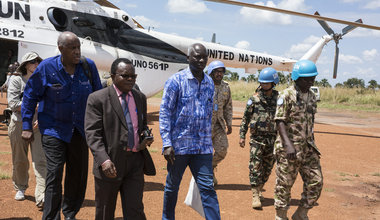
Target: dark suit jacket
(107, 132)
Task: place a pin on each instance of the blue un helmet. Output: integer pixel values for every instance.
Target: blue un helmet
(215, 65)
(269, 75)
(304, 68)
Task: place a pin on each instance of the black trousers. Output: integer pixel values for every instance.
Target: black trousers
(75, 155)
(130, 186)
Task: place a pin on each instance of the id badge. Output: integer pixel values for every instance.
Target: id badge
(215, 107)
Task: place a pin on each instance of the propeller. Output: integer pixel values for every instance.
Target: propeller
(337, 37)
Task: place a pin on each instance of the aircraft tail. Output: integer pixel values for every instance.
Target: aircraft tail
(314, 52)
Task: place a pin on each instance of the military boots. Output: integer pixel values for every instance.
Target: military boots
(261, 192)
(281, 214)
(300, 214)
(256, 203)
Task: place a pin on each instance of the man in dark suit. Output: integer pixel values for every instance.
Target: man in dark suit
(114, 122)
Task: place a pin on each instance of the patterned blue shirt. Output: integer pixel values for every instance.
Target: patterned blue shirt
(186, 112)
(61, 99)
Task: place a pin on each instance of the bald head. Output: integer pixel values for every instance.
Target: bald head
(66, 37)
(196, 47)
(197, 58)
(69, 46)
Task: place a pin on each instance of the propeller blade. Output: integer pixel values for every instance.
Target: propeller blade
(106, 3)
(349, 28)
(324, 25)
(138, 24)
(336, 61)
(289, 12)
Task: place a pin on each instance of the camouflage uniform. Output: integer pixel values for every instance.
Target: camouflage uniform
(297, 110)
(221, 116)
(258, 115)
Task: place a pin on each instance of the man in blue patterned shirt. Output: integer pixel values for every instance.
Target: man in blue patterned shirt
(185, 127)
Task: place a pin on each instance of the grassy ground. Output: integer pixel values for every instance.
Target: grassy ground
(331, 98)
(351, 99)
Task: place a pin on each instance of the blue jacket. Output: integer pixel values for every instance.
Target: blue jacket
(61, 98)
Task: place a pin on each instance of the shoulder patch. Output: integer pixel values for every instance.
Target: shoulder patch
(249, 102)
(280, 101)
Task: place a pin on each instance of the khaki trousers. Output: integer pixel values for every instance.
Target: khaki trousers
(219, 143)
(20, 160)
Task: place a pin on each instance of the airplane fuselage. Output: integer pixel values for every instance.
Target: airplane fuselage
(108, 33)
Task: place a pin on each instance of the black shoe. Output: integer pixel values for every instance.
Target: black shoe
(70, 218)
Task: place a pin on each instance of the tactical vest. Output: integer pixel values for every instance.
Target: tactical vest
(262, 121)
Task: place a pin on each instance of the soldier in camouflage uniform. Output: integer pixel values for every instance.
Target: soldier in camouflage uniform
(221, 115)
(295, 150)
(259, 117)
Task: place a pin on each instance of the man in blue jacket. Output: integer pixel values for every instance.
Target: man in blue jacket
(60, 85)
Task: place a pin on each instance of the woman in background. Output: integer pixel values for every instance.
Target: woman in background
(19, 146)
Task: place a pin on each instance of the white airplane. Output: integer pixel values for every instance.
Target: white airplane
(107, 33)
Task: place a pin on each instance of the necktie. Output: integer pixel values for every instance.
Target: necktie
(124, 105)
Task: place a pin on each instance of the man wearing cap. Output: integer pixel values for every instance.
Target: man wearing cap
(295, 149)
(61, 86)
(258, 119)
(221, 114)
(19, 146)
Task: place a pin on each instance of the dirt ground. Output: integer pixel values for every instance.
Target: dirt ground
(350, 146)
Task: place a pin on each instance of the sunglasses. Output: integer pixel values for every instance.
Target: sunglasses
(33, 61)
(127, 76)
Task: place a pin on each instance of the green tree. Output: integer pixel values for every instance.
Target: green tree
(243, 79)
(227, 75)
(251, 78)
(372, 84)
(231, 76)
(354, 83)
(325, 83)
(234, 76)
(284, 79)
(339, 85)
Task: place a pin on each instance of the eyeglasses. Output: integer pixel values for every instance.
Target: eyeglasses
(33, 61)
(127, 76)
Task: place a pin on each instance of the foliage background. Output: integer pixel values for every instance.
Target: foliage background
(349, 95)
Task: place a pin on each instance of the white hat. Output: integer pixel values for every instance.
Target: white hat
(26, 58)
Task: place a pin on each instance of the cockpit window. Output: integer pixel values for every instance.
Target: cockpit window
(115, 33)
(82, 22)
(58, 18)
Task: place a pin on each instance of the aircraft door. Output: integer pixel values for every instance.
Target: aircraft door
(8, 56)
(43, 50)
